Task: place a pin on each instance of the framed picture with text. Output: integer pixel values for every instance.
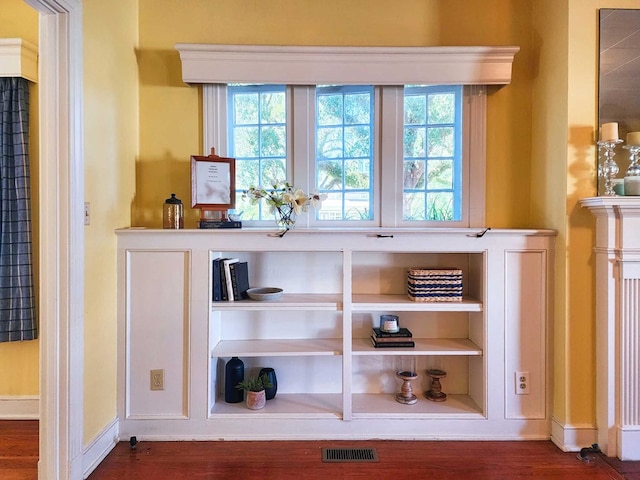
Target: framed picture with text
(213, 182)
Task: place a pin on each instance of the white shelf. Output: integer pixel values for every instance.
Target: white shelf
(278, 347)
(424, 346)
(402, 303)
(325, 405)
(288, 301)
(384, 405)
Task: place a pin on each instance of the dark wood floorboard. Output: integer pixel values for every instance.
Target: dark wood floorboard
(18, 450)
(303, 460)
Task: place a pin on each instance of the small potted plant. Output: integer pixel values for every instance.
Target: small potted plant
(255, 388)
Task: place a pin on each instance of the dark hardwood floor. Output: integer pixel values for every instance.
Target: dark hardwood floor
(302, 460)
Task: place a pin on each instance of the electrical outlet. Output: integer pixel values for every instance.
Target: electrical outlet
(522, 383)
(157, 379)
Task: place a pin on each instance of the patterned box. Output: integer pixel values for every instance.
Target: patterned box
(434, 284)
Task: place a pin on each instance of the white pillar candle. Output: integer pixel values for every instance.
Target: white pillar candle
(609, 132)
(633, 138)
(632, 186)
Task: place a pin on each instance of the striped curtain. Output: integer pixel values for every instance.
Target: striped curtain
(17, 303)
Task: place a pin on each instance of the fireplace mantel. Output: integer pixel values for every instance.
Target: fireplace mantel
(617, 253)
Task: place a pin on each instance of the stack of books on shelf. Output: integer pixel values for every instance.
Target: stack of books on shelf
(230, 280)
(403, 338)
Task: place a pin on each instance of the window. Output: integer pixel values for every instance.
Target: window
(257, 128)
(417, 160)
(343, 163)
(432, 151)
(344, 126)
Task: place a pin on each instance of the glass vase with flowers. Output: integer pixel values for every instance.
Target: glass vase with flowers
(285, 202)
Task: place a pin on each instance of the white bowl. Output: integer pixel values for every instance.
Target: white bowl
(264, 294)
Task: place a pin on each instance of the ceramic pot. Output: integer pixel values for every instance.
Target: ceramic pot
(256, 400)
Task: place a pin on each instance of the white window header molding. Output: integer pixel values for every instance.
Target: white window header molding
(299, 65)
(18, 58)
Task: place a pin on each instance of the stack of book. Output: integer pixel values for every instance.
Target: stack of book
(403, 338)
(230, 280)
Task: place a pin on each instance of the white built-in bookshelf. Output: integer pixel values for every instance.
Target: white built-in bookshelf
(332, 383)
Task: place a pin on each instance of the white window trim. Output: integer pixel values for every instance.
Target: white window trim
(295, 65)
(474, 67)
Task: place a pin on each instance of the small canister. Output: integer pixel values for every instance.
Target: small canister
(389, 323)
(173, 213)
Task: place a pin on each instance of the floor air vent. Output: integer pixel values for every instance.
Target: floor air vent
(349, 455)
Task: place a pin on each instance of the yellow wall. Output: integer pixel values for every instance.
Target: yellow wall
(540, 152)
(19, 375)
(111, 145)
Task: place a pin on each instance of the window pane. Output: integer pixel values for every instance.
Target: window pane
(329, 142)
(257, 125)
(415, 110)
(432, 167)
(440, 206)
(329, 175)
(274, 142)
(414, 175)
(357, 141)
(442, 108)
(357, 206)
(329, 109)
(357, 108)
(273, 107)
(344, 151)
(245, 141)
(415, 142)
(245, 107)
(440, 142)
(440, 175)
(357, 174)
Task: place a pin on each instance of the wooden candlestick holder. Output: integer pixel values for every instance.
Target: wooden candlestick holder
(406, 395)
(436, 394)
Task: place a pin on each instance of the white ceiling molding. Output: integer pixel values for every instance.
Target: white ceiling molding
(298, 65)
(18, 58)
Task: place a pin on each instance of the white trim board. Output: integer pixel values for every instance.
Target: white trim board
(300, 65)
(19, 407)
(571, 438)
(18, 58)
(97, 450)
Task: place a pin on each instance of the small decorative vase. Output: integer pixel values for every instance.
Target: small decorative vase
(233, 375)
(256, 400)
(271, 375)
(285, 217)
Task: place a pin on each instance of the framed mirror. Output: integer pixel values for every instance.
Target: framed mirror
(619, 74)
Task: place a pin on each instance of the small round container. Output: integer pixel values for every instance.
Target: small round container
(173, 213)
(389, 324)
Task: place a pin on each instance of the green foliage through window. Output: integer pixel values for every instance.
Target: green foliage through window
(432, 164)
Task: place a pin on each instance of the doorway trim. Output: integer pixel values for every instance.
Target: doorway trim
(61, 298)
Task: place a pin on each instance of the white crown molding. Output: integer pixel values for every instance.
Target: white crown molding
(300, 65)
(18, 58)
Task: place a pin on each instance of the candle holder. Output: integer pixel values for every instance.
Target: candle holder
(436, 394)
(406, 395)
(406, 371)
(609, 168)
(634, 168)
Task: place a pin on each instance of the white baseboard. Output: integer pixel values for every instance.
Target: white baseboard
(571, 438)
(96, 451)
(19, 407)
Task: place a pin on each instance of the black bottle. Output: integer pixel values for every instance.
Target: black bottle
(233, 374)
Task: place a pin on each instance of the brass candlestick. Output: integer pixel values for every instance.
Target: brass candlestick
(436, 394)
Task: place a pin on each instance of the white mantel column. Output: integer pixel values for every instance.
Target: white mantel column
(617, 324)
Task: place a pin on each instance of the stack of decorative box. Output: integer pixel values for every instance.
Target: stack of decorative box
(434, 285)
